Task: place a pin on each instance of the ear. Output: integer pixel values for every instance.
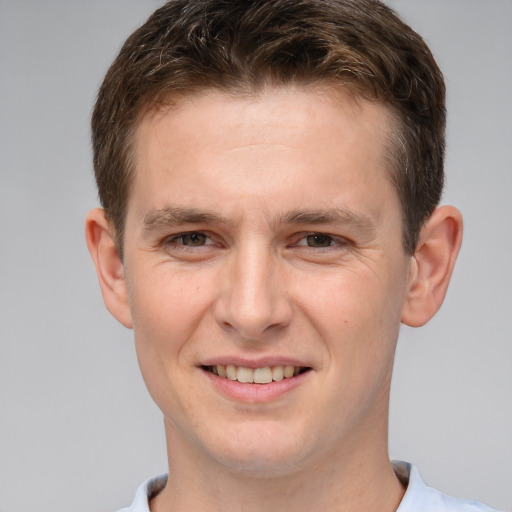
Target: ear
(109, 267)
(432, 265)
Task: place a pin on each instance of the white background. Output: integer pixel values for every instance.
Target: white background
(78, 431)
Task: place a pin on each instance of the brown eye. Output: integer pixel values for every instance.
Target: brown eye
(193, 239)
(319, 240)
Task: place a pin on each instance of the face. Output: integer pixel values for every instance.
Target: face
(264, 243)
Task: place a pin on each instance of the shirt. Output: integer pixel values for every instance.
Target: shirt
(417, 498)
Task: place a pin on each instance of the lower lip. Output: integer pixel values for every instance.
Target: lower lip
(256, 393)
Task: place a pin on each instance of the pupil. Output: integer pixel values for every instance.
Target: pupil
(318, 240)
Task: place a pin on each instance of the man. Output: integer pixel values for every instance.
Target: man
(269, 174)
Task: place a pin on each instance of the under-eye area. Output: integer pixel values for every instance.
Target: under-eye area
(263, 375)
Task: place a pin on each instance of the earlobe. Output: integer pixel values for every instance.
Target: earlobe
(432, 265)
(109, 267)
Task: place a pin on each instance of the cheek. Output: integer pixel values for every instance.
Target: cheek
(357, 314)
(160, 296)
(353, 296)
(167, 308)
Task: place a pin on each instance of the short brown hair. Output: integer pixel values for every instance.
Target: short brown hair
(244, 45)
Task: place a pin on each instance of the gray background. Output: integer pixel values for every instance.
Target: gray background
(78, 430)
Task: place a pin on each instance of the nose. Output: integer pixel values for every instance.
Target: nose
(253, 301)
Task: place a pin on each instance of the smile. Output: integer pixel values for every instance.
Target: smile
(263, 375)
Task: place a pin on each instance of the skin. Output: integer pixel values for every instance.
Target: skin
(265, 231)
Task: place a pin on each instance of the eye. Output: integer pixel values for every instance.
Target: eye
(191, 239)
(191, 246)
(320, 240)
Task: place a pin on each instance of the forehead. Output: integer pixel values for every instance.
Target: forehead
(292, 143)
(287, 106)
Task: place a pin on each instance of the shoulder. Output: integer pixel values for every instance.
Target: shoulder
(145, 492)
(422, 498)
(417, 498)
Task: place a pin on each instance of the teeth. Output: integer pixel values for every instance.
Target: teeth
(262, 375)
(231, 372)
(245, 375)
(277, 373)
(288, 372)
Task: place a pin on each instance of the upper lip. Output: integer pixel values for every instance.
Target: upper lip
(255, 363)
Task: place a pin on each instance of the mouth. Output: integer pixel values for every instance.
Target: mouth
(263, 375)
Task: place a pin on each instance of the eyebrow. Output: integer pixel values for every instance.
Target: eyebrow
(331, 216)
(169, 217)
(175, 216)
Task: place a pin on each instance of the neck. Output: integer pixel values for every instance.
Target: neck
(355, 479)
